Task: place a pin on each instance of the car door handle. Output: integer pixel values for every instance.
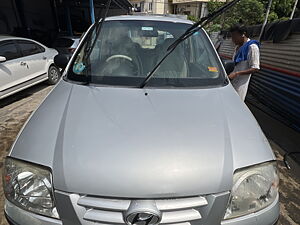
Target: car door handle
(44, 57)
(23, 63)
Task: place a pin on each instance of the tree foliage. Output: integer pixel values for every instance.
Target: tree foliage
(250, 12)
(192, 18)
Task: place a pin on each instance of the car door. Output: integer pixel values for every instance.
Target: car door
(34, 57)
(11, 71)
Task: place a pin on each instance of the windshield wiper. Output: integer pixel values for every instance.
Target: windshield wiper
(190, 31)
(89, 47)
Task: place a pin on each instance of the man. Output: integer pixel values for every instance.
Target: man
(246, 59)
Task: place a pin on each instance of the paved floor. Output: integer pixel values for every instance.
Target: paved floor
(15, 110)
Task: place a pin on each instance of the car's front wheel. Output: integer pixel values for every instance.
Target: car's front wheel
(53, 75)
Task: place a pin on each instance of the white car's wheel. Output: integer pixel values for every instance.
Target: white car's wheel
(53, 75)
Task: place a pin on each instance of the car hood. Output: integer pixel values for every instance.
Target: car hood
(142, 143)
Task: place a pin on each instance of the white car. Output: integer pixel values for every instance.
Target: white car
(23, 63)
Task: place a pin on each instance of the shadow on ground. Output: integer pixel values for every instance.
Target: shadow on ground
(23, 94)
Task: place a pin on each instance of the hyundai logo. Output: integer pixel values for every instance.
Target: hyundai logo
(143, 218)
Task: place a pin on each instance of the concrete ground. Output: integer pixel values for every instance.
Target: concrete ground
(15, 110)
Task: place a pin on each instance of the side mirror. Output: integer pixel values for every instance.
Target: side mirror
(2, 59)
(61, 61)
(228, 65)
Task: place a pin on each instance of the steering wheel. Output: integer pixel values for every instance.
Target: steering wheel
(135, 64)
(118, 56)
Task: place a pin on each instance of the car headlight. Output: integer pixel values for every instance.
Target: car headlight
(29, 187)
(254, 188)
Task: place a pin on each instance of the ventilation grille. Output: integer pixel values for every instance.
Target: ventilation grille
(110, 211)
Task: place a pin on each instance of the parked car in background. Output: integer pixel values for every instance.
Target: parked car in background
(180, 149)
(66, 45)
(23, 63)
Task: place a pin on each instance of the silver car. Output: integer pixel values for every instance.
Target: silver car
(104, 149)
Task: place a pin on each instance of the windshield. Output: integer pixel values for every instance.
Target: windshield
(127, 50)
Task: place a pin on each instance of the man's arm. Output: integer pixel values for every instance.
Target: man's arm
(253, 58)
(243, 72)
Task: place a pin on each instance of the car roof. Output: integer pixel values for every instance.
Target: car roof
(8, 37)
(163, 18)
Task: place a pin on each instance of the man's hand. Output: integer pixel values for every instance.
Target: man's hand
(243, 72)
(233, 75)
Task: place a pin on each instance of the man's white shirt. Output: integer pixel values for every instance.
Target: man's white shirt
(240, 83)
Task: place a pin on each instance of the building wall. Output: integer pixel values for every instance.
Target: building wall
(152, 6)
(196, 8)
(190, 1)
(159, 7)
(192, 8)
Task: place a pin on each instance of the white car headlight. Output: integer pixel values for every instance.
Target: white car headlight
(254, 188)
(29, 187)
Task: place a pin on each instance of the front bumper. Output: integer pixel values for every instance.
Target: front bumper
(17, 216)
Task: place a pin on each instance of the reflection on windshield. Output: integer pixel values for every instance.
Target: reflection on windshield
(126, 51)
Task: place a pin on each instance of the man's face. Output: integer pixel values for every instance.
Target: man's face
(237, 38)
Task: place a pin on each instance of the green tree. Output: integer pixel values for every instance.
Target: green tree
(251, 12)
(192, 18)
(282, 8)
(247, 12)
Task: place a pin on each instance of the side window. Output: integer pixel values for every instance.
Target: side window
(29, 48)
(42, 49)
(9, 51)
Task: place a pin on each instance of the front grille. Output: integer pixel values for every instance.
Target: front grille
(111, 211)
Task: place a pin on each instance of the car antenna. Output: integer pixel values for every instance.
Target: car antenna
(190, 31)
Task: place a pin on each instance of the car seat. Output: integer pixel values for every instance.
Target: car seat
(175, 65)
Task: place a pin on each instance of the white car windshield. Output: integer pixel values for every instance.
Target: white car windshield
(126, 51)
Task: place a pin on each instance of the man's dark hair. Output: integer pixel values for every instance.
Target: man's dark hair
(239, 29)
